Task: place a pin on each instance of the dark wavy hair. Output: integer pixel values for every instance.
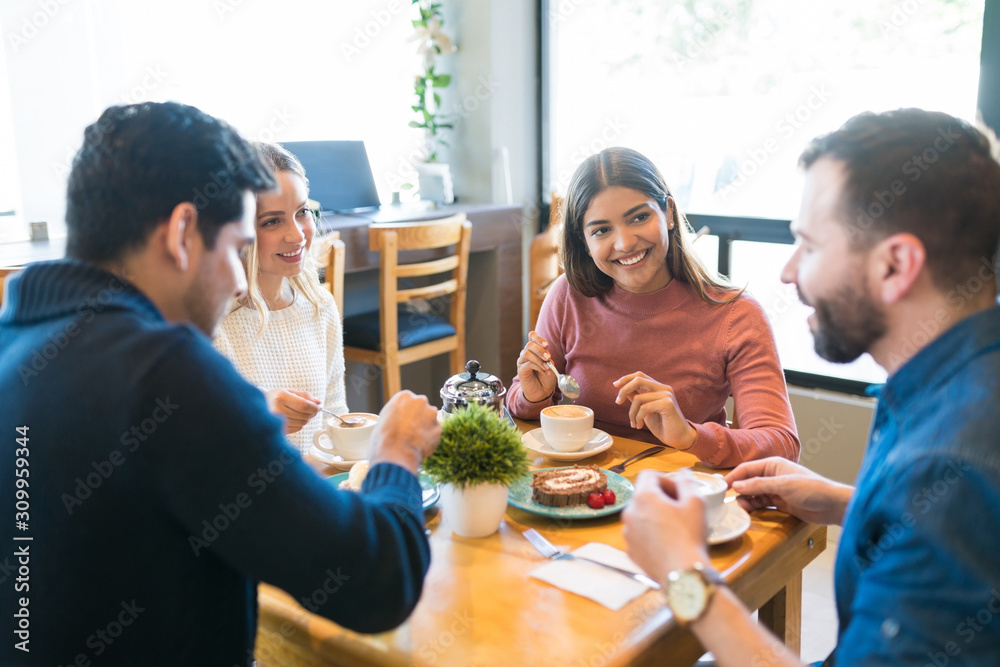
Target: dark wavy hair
(627, 168)
(920, 172)
(138, 162)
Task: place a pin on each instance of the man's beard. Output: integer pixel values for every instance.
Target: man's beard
(847, 324)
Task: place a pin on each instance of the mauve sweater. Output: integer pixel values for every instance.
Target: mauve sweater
(705, 352)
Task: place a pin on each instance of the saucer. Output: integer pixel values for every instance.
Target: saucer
(431, 491)
(734, 522)
(330, 459)
(535, 441)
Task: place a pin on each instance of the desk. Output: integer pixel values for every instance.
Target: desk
(479, 607)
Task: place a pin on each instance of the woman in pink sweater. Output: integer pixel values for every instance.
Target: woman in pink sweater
(656, 342)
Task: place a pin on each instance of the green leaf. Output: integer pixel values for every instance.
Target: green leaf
(406, 186)
(477, 447)
(414, 123)
(437, 100)
(442, 80)
(447, 125)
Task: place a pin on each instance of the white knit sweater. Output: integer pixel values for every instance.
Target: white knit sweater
(297, 350)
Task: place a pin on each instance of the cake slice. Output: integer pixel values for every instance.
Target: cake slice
(565, 487)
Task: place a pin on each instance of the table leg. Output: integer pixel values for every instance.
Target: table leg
(782, 614)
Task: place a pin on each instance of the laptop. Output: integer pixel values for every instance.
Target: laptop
(341, 180)
(340, 176)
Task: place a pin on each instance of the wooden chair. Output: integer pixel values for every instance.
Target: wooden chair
(393, 336)
(4, 272)
(544, 265)
(332, 254)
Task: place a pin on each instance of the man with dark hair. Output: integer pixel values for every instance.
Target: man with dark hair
(897, 241)
(150, 488)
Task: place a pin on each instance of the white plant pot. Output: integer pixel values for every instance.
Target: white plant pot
(434, 181)
(474, 511)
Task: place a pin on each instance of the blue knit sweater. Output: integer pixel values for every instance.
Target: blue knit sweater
(158, 490)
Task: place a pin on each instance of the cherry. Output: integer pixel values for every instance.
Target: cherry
(596, 501)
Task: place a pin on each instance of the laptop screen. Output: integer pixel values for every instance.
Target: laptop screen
(340, 176)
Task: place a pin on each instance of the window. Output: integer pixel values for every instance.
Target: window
(298, 70)
(723, 95)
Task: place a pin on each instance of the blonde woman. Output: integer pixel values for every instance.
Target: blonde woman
(285, 334)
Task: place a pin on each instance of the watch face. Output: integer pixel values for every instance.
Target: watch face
(687, 595)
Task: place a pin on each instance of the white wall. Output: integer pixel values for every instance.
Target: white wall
(833, 429)
(281, 71)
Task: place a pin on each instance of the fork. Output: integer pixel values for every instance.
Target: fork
(620, 468)
(549, 550)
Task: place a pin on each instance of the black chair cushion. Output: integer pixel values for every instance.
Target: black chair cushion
(414, 328)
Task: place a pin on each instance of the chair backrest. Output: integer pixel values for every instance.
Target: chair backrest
(544, 265)
(4, 272)
(392, 239)
(332, 254)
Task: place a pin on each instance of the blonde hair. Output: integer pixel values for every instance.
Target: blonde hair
(307, 284)
(628, 168)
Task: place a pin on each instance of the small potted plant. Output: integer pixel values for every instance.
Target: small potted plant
(479, 457)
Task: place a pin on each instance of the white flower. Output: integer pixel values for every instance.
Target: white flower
(432, 41)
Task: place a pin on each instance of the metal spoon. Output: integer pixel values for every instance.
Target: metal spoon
(569, 387)
(343, 422)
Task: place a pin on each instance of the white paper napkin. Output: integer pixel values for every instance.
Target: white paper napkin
(604, 586)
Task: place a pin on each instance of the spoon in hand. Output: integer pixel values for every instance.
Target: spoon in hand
(343, 422)
(569, 387)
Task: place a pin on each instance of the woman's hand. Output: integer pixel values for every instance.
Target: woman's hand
(654, 406)
(538, 382)
(297, 407)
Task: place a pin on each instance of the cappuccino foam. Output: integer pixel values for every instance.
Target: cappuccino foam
(566, 411)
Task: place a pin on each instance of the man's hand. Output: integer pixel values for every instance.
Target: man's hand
(297, 407)
(407, 431)
(664, 525)
(791, 488)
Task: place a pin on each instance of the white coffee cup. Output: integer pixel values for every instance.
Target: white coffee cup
(567, 428)
(711, 488)
(351, 443)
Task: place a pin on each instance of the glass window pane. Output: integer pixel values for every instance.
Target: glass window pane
(707, 250)
(758, 266)
(300, 70)
(724, 94)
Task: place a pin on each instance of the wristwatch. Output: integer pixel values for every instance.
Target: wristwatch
(689, 591)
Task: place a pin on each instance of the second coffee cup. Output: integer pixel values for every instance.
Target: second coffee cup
(567, 428)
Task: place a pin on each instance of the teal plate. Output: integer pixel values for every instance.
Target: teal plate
(431, 490)
(520, 497)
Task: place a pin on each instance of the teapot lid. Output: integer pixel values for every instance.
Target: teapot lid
(472, 386)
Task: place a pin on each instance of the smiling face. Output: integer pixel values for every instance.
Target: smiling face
(285, 228)
(628, 236)
(829, 276)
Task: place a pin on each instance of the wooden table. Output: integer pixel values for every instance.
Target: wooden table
(480, 607)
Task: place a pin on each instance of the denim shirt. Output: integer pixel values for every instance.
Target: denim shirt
(918, 569)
